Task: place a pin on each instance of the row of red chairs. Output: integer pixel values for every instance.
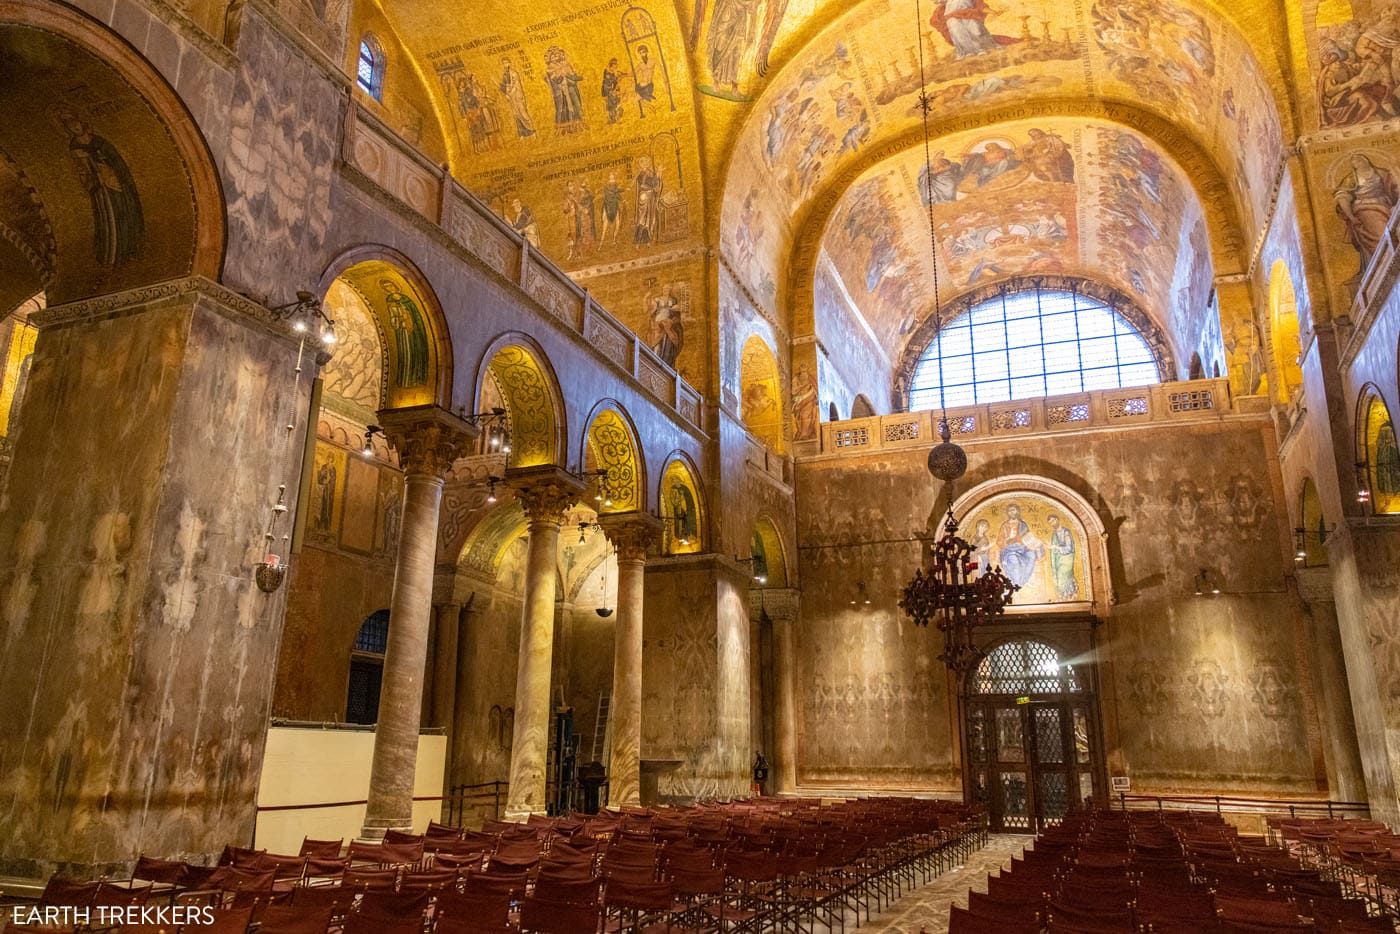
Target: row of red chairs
(1363, 856)
(734, 867)
(1191, 873)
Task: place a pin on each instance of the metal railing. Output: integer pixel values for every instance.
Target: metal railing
(460, 797)
(1293, 807)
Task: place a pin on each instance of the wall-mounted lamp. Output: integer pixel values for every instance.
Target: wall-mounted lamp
(1363, 483)
(760, 575)
(496, 423)
(602, 494)
(304, 313)
(584, 528)
(862, 598)
(1301, 537)
(677, 524)
(491, 489)
(370, 432)
(1206, 584)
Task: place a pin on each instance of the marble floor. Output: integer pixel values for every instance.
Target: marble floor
(925, 910)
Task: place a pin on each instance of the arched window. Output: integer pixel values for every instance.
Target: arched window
(1025, 667)
(369, 70)
(1028, 343)
(862, 408)
(367, 669)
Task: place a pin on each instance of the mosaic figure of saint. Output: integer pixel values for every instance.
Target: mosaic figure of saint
(1018, 547)
(1365, 197)
(410, 335)
(667, 328)
(644, 79)
(1048, 156)
(612, 208)
(806, 408)
(612, 90)
(513, 90)
(1062, 559)
(325, 495)
(738, 27)
(483, 123)
(564, 82)
(1387, 461)
(684, 512)
(648, 213)
(523, 220)
(118, 224)
(982, 546)
(963, 24)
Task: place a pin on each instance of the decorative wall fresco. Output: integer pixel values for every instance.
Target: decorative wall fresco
(353, 379)
(1382, 457)
(517, 378)
(1037, 543)
(1352, 49)
(683, 532)
(406, 327)
(612, 447)
(761, 403)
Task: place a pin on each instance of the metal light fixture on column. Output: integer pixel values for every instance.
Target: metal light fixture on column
(304, 314)
(952, 594)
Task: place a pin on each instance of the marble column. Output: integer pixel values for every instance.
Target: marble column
(428, 440)
(545, 493)
(782, 608)
(631, 534)
(448, 633)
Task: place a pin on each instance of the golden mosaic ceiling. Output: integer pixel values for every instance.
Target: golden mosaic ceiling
(1035, 197)
(624, 134)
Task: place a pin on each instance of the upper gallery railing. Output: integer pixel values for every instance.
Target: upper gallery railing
(1166, 402)
(1373, 288)
(411, 177)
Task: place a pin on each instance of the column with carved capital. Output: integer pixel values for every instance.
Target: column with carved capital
(545, 493)
(631, 533)
(428, 439)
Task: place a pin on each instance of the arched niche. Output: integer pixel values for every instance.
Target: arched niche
(610, 443)
(770, 567)
(682, 508)
(516, 375)
(761, 393)
(861, 407)
(416, 362)
(99, 192)
(1284, 330)
(1312, 522)
(1379, 454)
(1045, 537)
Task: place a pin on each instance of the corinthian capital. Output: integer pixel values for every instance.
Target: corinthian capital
(428, 438)
(631, 533)
(545, 492)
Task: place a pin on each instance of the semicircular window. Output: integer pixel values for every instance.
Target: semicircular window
(1025, 667)
(1029, 343)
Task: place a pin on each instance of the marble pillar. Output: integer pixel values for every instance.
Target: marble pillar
(135, 680)
(428, 440)
(631, 534)
(782, 606)
(447, 633)
(545, 493)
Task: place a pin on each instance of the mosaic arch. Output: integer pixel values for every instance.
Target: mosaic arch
(100, 193)
(517, 377)
(1044, 537)
(682, 508)
(1051, 197)
(852, 91)
(487, 543)
(1379, 453)
(610, 444)
(416, 363)
(1284, 328)
(770, 568)
(761, 393)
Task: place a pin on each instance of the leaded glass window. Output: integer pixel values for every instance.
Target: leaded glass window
(369, 70)
(1029, 343)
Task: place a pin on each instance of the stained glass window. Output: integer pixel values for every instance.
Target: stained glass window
(369, 72)
(1034, 342)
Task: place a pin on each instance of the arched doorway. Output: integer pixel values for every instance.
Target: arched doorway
(1033, 748)
(367, 669)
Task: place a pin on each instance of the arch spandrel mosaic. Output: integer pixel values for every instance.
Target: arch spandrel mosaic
(1038, 543)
